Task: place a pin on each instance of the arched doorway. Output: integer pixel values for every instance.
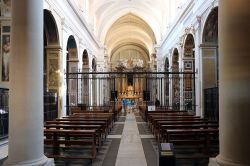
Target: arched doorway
(210, 66)
(189, 82)
(175, 81)
(52, 52)
(166, 69)
(72, 67)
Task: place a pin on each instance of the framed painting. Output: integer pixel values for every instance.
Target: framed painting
(5, 57)
(188, 65)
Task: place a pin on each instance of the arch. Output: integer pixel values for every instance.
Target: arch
(94, 65)
(125, 11)
(130, 46)
(189, 46)
(128, 34)
(175, 80)
(71, 48)
(52, 51)
(85, 59)
(51, 48)
(85, 84)
(210, 29)
(137, 44)
(71, 43)
(166, 81)
(188, 78)
(50, 29)
(175, 60)
(210, 66)
(123, 40)
(71, 67)
(166, 65)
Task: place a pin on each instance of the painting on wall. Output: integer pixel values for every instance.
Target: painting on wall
(188, 65)
(5, 57)
(52, 73)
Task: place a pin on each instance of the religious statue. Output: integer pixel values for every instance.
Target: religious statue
(130, 90)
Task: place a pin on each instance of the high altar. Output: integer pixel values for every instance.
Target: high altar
(130, 86)
(130, 94)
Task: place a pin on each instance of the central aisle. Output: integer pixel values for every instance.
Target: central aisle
(131, 152)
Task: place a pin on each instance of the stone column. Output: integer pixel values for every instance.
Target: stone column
(26, 85)
(234, 89)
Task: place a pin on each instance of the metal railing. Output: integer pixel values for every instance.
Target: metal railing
(174, 90)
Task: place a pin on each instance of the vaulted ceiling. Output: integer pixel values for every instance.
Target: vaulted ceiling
(130, 30)
(130, 24)
(109, 11)
(140, 24)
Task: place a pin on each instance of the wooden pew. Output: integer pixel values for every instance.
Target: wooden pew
(67, 122)
(154, 122)
(93, 120)
(164, 128)
(109, 116)
(70, 139)
(202, 138)
(158, 122)
(100, 134)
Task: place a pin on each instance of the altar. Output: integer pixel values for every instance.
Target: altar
(130, 94)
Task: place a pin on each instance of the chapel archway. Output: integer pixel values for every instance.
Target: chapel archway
(189, 67)
(52, 52)
(72, 67)
(85, 81)
(210, 66)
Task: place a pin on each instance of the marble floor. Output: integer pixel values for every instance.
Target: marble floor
(130, 150)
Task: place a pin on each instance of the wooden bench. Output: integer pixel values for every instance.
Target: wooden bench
(68, 122)
(194, 144)
(154, 116)
(108, 126)
(154, 123)
(100, 134)
(155, 126)
(164, 128)
(108, 116)
(70, 139)
(203, 136)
